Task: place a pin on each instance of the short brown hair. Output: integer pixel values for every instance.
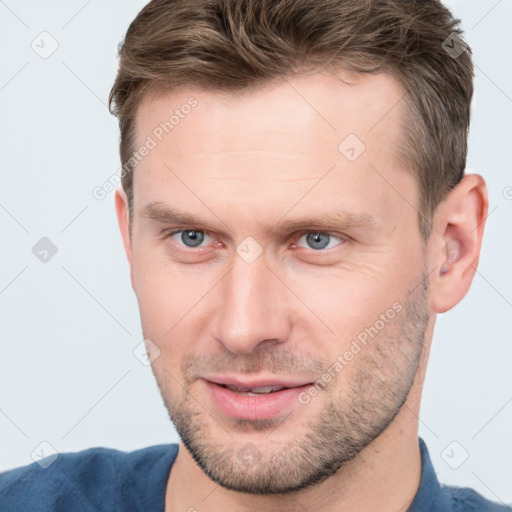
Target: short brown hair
(235, 44)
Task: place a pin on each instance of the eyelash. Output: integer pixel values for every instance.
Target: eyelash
(301, 234)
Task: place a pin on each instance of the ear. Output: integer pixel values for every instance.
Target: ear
(456, 241)
(123, 220)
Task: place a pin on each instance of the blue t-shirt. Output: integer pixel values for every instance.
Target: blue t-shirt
(102, 479)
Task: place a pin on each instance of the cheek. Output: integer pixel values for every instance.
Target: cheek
(161, 298)
(346, 303)
(172, 307)
(156, 277)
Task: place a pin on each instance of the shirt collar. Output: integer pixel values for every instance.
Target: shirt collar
(430, 496)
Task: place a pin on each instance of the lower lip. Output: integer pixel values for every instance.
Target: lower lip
(260, 407)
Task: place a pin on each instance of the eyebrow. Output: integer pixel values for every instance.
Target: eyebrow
(335, 219)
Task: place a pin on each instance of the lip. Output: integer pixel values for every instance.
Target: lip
(260, 407)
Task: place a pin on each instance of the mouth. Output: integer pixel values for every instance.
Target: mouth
(255, 391)
(254, 400)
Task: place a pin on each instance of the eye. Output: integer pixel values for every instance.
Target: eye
(319, 240)
(190, 238)
(316, 240)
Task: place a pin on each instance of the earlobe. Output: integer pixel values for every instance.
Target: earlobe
(123, 220)
(456, 243)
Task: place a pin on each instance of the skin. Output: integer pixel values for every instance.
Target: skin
(241, 163)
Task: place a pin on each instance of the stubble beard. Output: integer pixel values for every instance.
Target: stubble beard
(341, 429)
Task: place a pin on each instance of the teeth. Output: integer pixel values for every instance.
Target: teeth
(256, 391)
(268, 389)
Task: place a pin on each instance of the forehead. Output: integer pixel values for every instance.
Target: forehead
(308, 106)
(290, 132)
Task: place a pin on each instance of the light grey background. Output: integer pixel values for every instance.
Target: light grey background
(68, 375)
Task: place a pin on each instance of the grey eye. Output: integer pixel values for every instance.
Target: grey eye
(318, 240)
(191, 238)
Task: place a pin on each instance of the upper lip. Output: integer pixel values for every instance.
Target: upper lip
(240, 383)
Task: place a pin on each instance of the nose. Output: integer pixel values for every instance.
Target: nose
(252, 308)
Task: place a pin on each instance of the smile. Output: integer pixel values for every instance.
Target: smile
(249, 401)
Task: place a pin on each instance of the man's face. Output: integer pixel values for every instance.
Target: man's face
(245, 297)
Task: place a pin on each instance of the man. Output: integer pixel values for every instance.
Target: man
(295, 214)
